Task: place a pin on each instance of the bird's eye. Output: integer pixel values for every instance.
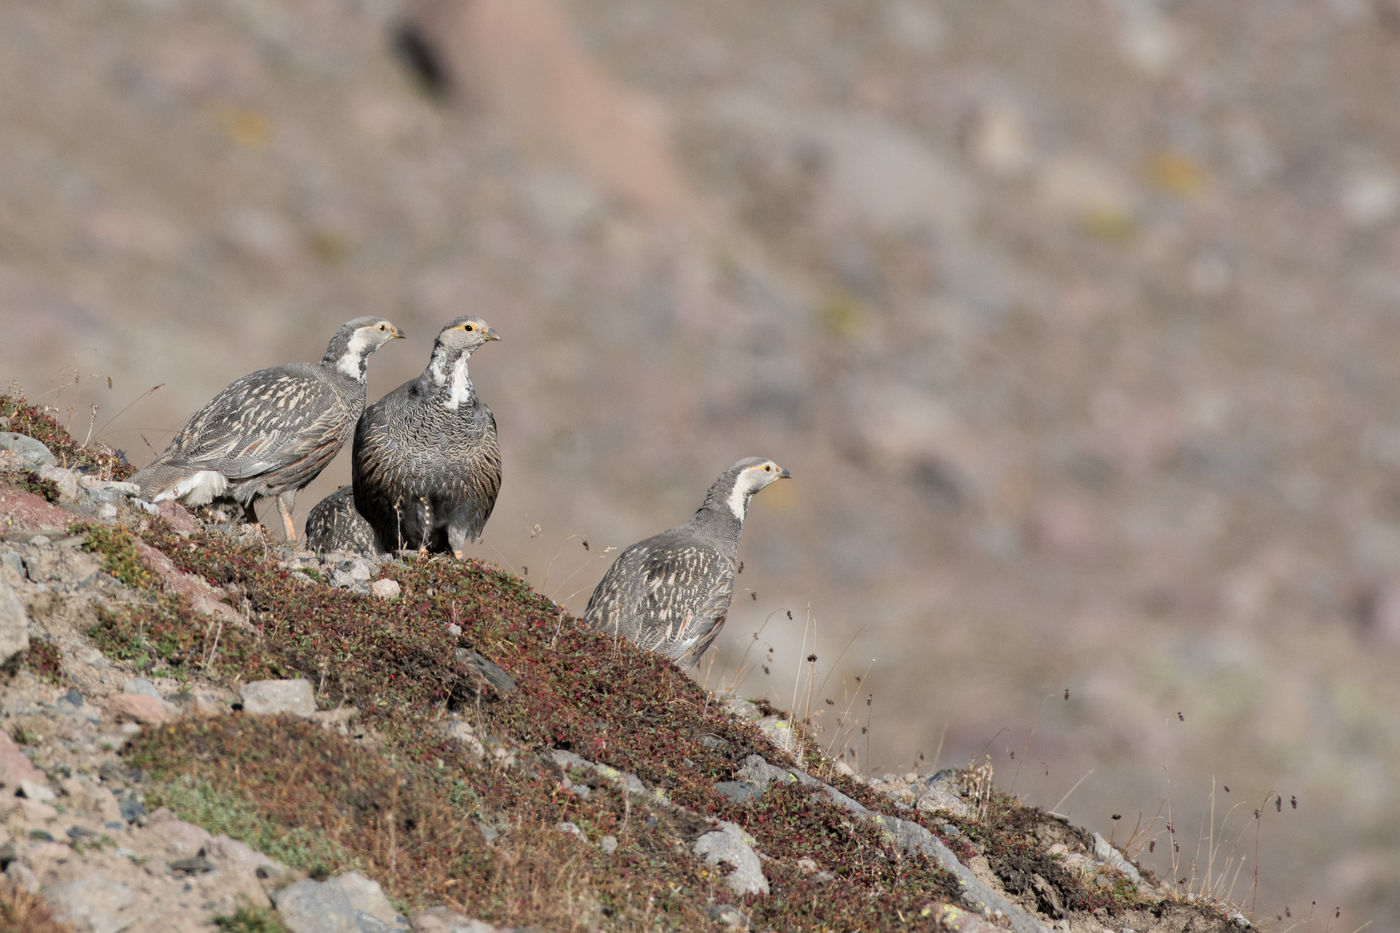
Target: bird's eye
(768, 468)
(468, 327)
(382, 327)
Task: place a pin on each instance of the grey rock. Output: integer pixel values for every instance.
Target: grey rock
(385, 589)
(132, 809)
(570, 829)
(367, 898)
(942, 794)
(194, 865)
(738, 791)
(315, 907)
(608, 844)
(30, 453)
(1114, 860)
(34, 790)
(779, 731)
(14, 624)
(65, 480)
(141, 687)
(269, 697)
(732, 846)
(94, 903)
(729, 915)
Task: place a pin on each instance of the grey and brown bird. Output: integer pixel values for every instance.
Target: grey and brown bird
(426, 463)
(334, 524)
(271, 432)
(671, 592)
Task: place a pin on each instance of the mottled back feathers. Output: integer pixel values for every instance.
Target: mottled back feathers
(670, 593)
(271, 432)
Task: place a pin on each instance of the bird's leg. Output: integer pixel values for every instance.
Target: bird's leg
(285, 508)
(456, 540)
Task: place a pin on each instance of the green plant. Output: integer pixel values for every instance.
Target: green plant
(250, 920)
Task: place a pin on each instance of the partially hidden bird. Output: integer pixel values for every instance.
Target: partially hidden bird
(334, 524)
(270, 433)
(670, 593)
(426, 462)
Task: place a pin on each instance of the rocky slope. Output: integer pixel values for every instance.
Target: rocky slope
(200, 728)
(1074, 322)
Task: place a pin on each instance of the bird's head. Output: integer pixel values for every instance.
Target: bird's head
(356, 340)
(465, 334)
(749, 476)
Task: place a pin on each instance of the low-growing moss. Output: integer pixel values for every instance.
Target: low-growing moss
(250, 920)
(117, 547)
(44, 660)
(29, 481)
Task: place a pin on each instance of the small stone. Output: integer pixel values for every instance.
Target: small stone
(141, 686)
(731, 845)
(132, 809)
(729, 915)
(138, 707)
(608, 844)
(385, 589)
(74, 697)
(570, 829)
(194, 865)
(35, 790)
(269, 697)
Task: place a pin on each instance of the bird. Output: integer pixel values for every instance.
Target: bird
(670, 593)
(334, 524)
(426, 462)
(270, 433)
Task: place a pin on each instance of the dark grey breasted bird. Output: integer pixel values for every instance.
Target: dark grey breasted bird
(426, 463)
(271, 432)
(334, 524)
(671, 592)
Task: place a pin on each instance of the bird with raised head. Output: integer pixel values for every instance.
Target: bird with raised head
(670, 593)
(270, 433)
(426, 462)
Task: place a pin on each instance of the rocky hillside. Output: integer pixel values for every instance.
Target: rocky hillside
(201, 728)
(1073, 321)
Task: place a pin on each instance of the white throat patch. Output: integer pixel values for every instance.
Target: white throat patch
(739, 495)
(349, 362)
(461, 386)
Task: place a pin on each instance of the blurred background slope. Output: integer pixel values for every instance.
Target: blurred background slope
(1076, 324)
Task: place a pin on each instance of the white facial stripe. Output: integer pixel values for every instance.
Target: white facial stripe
(744, 484)
(350, 360)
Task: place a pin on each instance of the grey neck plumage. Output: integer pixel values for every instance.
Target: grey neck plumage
(446, 379)
(348, 353)
(717, 516)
